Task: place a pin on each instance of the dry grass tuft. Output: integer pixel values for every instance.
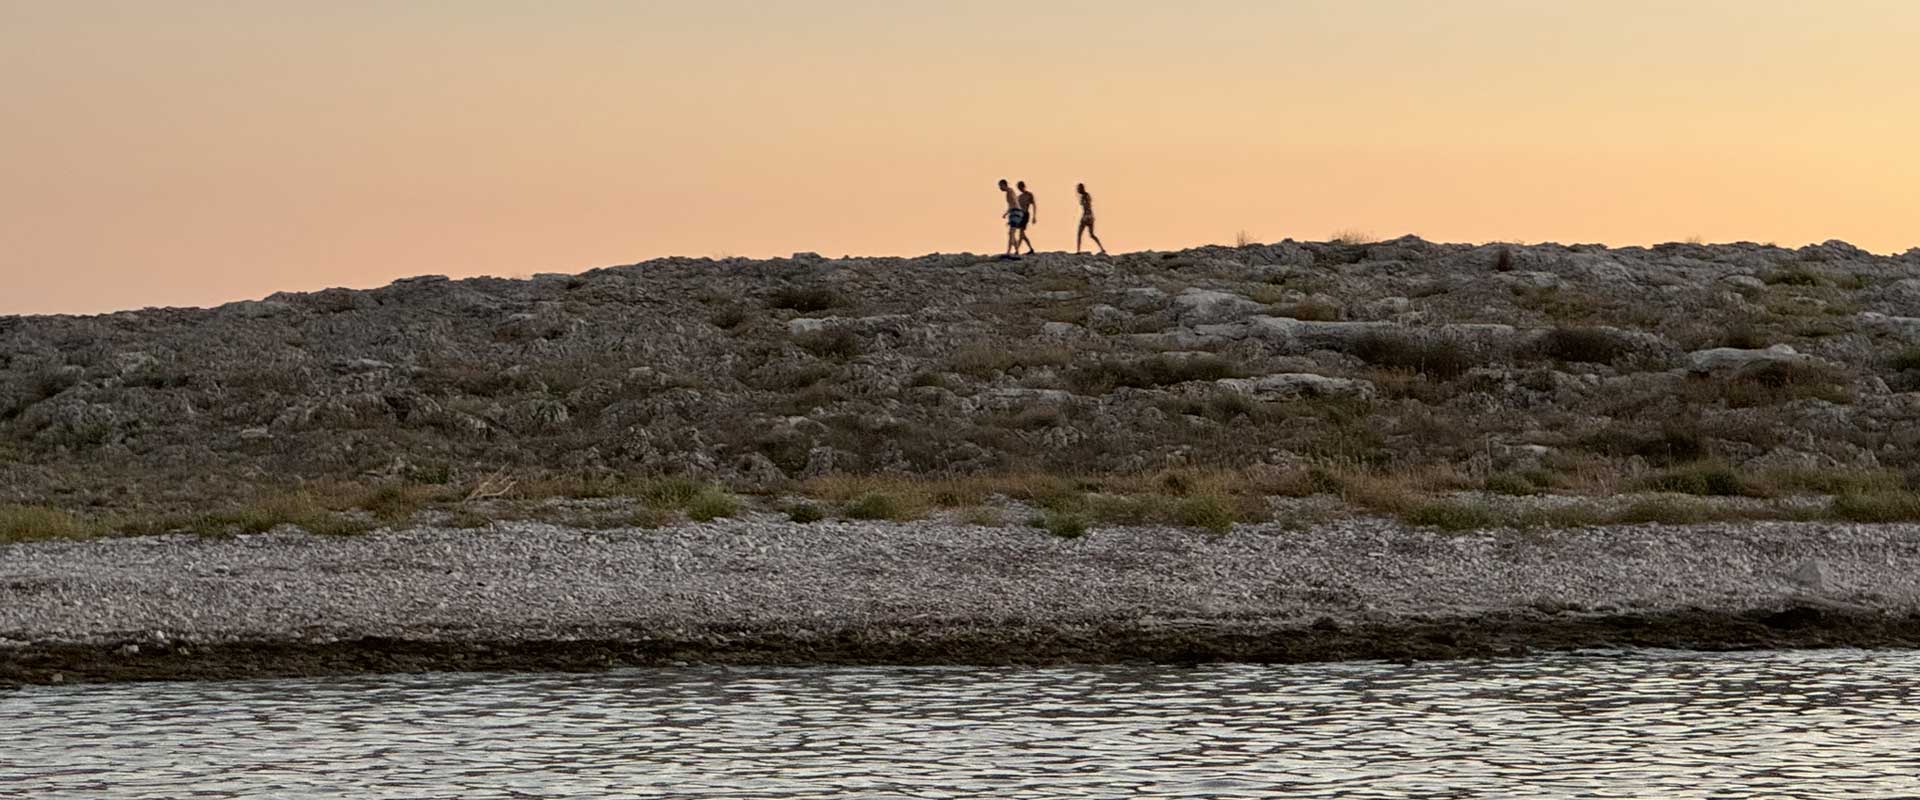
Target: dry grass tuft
(34, 523)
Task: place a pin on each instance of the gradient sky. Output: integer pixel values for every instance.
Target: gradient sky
(194, 152)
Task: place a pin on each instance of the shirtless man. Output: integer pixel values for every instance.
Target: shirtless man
(1028, 205)
(1086, 221)
(1016, 220)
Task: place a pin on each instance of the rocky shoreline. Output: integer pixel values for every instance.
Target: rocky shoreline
(524, 596)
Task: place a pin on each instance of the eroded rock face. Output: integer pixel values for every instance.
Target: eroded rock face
(757, 371)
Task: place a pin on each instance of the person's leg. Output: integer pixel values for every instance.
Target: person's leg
(1096, 239)
(1079, 235)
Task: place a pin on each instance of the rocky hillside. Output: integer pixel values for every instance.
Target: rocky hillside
(1549, 361)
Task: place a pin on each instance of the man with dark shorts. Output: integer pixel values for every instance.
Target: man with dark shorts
(1029, 212)
(1016, 221)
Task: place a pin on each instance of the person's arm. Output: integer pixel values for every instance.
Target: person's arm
(1033, 212)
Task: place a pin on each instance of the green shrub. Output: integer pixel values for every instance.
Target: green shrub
(394, 503)
(30, 523)
(1208, 512)
(1907, 360)
(805, 513)
(1706, 479)
(1666, 511)
(1885, 506)
(882, 506)
(1065, 525)
(711, 504)
(1510, 483)
(323, 524)
(671, 493)
(1435, 357)
(1452, 516)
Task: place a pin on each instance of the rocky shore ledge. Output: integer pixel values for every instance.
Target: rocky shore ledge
(761, 590)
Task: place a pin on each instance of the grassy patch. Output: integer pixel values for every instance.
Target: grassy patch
(712, 503)
(1773, 384)
(1795, 276)
(1881, 506)
(805, 513)
(1151, 372)
(1208, 512)
(883, 506)
(33, 523)
(1064, 524)
(1451, 515)
(1704, 479)
(1512, 484)
(1434, 357)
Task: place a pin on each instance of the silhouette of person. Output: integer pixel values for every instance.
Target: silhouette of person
(1028, 206)
(1086, 220)
(1016, 220)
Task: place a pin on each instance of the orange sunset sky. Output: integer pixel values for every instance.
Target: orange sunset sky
(194, 152)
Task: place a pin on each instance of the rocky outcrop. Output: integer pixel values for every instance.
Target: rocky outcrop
(1399, 352)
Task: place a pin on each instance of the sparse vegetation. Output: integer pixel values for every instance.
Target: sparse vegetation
(1585, 345)
(712, 503)
(1352, 236)
(1150, 372)
(1706, 478)
(834, 343)
(1795, 276)
(1435, 357)
(30, 523)
(1878, 506)
(805, 299)
(883, 506)
(566, 398)
(1064, 524)
(805, 513)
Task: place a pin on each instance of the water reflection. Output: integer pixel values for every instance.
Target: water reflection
(1828, 724)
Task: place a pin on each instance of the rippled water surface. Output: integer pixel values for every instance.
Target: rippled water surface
(1830, 724)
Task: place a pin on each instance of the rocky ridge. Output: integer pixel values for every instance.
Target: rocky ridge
(756, 373)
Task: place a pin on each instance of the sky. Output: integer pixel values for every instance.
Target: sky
(202, 151)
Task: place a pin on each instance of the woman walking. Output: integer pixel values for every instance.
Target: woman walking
(1086, 221)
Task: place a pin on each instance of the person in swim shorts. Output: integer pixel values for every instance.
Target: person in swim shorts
(1016, 220)
(1030, 210)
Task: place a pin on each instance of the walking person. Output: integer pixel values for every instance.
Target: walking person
(1029, 208)
(1086, 221)
(1016, 221)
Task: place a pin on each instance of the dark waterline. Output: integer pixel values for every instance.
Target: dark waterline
(1644, 724)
